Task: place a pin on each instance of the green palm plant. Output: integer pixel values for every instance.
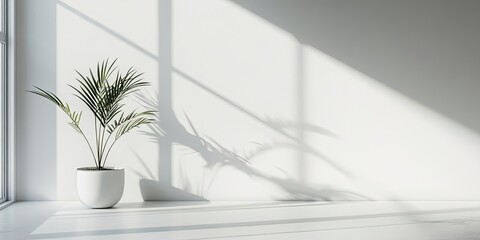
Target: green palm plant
(103, 92)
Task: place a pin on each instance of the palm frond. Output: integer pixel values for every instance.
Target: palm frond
(88, 92)
(74, 116)
(123, 119)
(131, 124)
(93, 89)
(104, 98)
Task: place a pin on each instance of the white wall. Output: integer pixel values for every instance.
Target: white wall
(263, 99)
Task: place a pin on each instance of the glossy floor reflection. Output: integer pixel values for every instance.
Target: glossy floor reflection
(243, 220)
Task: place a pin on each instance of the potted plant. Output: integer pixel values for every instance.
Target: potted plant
(103, 92)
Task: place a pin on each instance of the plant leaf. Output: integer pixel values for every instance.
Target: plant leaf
(74, 116)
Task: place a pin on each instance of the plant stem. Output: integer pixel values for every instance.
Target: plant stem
(89, 146)
(102, 145)
(105, 146)
(86, 139)
(108, 151)
(99, 157)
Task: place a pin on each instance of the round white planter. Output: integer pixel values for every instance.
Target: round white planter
(100, 188)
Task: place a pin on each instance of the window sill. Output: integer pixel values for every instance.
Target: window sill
(6, 204)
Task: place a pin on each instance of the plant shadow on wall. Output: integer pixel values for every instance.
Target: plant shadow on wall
(216, 157)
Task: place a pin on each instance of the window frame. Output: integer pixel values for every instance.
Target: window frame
(3, 107)
(7, 112)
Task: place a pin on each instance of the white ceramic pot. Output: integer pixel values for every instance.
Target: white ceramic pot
(100, 188)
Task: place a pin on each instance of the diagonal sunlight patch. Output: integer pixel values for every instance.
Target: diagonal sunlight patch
(388, 136)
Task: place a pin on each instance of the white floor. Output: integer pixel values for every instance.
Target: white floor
(243, 220)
